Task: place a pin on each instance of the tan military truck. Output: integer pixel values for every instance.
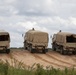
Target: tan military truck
(64, 42)
(4, 41)
(36, 41)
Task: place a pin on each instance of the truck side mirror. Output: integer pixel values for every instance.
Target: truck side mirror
(22, 35)
(51, 36)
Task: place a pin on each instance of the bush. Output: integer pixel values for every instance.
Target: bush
(36, 69)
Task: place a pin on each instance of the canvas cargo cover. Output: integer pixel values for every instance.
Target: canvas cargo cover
(65, 33)
(2, 32)
(36, 36)
(61, 36)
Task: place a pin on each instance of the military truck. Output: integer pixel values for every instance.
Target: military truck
(64, 42)
(4, 41)
(36, 41)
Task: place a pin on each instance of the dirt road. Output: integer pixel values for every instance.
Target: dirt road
(51, 58)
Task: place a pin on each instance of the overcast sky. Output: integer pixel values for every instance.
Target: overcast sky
(18, 16)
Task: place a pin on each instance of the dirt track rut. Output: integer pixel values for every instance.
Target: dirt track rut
(51, 58)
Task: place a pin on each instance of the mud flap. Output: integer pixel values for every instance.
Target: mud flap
(7, 51)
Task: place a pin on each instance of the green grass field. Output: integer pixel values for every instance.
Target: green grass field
(36, 69)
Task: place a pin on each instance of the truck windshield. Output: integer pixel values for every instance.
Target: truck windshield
(4, 37)
(71, 39)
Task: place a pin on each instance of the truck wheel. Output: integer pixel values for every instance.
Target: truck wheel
(25, 48)
(44, 51)
(62, 51)
(7, 51)
(31, 49)
(74, 52)
(53, 47)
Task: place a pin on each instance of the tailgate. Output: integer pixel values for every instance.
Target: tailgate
(4, 43)
(71, 45)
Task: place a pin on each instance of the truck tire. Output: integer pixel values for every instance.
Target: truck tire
(74, 52)
(44, 51)
(53, 47)
(25, 48)
(62, 51)
(7, 51)
(31, 49)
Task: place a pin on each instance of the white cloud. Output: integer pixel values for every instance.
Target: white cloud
(73, 20)
(18, 16)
